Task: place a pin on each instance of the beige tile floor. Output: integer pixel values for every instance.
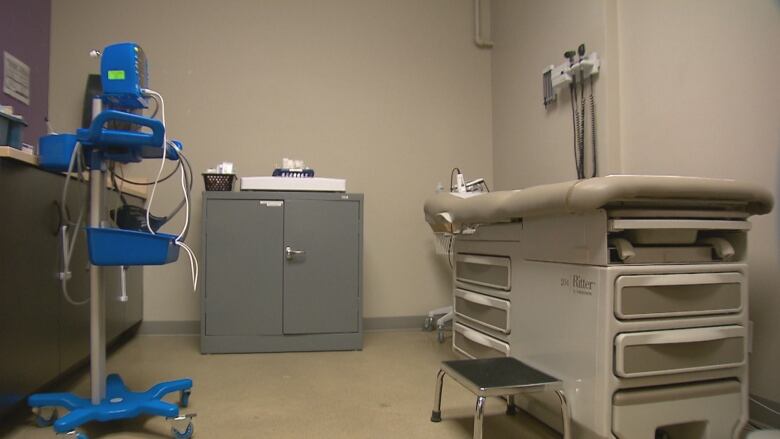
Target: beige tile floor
(384, 391)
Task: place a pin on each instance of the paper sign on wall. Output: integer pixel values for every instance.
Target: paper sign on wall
(16, 78)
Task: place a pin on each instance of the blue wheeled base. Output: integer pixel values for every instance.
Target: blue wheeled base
(119, 403)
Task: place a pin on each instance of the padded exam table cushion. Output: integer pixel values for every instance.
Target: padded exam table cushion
(649, 191)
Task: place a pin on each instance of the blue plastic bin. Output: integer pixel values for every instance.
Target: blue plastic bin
(55, 150)
(111, 247)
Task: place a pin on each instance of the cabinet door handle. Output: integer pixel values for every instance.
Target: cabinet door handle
(289, 253)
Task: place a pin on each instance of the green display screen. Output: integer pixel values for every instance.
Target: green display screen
(116, 75)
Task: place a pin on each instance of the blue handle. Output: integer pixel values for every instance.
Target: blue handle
(96, 132)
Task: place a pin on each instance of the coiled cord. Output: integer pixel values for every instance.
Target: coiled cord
(593, 128)
(582, 126)
(575, 120)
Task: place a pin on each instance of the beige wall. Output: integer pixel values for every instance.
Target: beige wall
(697, 97)
(533, 145)
(389, 95)
(689, 91)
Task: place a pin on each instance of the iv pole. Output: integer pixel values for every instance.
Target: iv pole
(97, 307)
(110, 399)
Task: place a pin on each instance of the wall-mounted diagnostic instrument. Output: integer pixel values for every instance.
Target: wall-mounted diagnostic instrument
(573, 73)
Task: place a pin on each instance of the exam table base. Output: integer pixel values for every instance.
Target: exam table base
(119, 403)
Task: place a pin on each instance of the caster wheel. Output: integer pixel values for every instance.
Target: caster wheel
(428, 324)
(76, 435)
(440, 335)
(186, 434)
(184, 398)
(45, 417)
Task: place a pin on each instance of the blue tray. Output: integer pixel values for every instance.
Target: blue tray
(55, 151)
(111, 247)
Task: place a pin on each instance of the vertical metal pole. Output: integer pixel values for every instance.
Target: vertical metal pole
(565, 413)
(436, 413)
(479, 417)
(97, 311)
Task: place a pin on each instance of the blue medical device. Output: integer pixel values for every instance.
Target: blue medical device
(119, 134)
(124, 74)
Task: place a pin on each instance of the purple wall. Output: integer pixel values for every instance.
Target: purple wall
(25, 26)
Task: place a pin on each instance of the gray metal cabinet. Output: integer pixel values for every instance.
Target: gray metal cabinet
(41, 334)
(283, 272)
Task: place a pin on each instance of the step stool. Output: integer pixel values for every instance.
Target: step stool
(503, 376)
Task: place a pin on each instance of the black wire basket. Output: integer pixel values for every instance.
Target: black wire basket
(219, 182)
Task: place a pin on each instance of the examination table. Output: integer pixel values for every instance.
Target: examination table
(633, 290)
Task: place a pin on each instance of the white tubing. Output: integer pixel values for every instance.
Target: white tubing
(185, 191)
(193, 263)
(190, 252)
(193, 259)
(154, 189)
(158, 97)
(66, 294)
(70, 244)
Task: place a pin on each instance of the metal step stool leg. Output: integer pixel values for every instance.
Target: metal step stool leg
(479, 416)
(565, 413)
(436, 414)
(511, 408)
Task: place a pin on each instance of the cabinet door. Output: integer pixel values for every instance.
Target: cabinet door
(322, 285)
(244, 267)
(134, 308)
(74, 325)
(29, 290)
(74, 319)
(120, 316)
(115, 310)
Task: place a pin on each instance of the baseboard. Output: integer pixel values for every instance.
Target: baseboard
(403, 323)
(170, 327)
(764, 412)
(192, 327)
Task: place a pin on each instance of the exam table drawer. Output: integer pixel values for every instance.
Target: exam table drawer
(687, 411)
(678, 295)
(673, 351)
(486, 271)
(482, 310)
(474, 344)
